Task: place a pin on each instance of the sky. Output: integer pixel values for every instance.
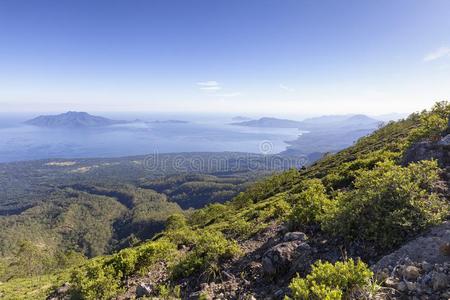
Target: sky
(272, 57)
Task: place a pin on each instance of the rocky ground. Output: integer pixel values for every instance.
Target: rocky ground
(270, 260)
(420, 269)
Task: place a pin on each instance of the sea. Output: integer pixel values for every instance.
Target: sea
(197, 133)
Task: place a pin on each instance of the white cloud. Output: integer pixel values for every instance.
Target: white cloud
(286, 88)
(210, 85)
(438, 53)
(210, 88)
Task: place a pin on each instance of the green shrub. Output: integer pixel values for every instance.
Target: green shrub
(182, 236)
(278, 208)
(125, 261)
(332, 282)
(210, 248)
(344, 176)
(432, 123)
(209, 214)
(102, 279)
(151, 253)
(240, 227)
(388, 204)
(95, 281)
(176, 221)
(310, 205)
(166, 291)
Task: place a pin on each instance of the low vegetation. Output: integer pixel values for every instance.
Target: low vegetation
(342, 280)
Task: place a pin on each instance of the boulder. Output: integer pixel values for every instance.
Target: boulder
(143, 290)
(278, 259)
(439, 281)
(425, 150)
(445, 141)
(61, 293)
(295, 236)
(411, 272)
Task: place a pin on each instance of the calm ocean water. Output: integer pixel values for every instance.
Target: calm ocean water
(201, 133)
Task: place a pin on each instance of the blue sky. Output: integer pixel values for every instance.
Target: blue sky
(248, 56)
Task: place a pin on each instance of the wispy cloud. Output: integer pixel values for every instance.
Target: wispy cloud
(437, 54)
(286, 88)
(228, 95)
(210, 85)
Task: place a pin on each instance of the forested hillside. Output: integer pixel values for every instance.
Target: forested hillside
(308, 233)
(60, 212)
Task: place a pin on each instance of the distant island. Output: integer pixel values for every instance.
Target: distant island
(72, 119)
(270, 122)
(318, 123)
(240, 119)
(168, 122)
(320, 134)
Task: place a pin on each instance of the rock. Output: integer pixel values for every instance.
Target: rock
(439, 281)
(391, 282)
(279, 293)
(277, 260)
(64, 289)
(295, 236)
(143, 290)
(426, 280)
(446, 295)
(411, 286)
(228, 275)
(422, 151)
(423, 248)
(427, 267)
(445, 141)
(401, 286)
(411, 273)
(445, 249)
(61, 293)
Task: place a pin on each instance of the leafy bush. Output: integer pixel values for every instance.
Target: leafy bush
(310, 205)
(125, 261)
(210, 248)
(332, 282)
(182, 237)
(96, 281)
(344, 176)
(101, 279)
(432, 123)
(176, 221)
(209, 214)
(388, 204)
(151, 253)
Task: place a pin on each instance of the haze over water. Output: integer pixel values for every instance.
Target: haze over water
(200, 134)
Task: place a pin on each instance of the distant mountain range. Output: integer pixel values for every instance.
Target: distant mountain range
(358, 121)
(72, 119)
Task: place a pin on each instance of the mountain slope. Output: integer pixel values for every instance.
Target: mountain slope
(362, 202)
